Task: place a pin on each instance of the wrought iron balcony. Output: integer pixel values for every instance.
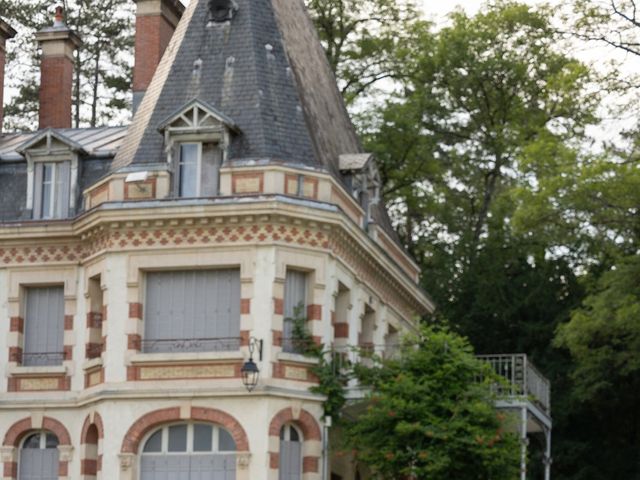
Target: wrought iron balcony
(190, 345)
(523, 379)
(38, 359)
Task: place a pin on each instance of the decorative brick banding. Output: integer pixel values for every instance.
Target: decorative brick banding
(68, 322)
(97, 421)
(311, 464)
(146, 423)
(18, 430)
(306, 422)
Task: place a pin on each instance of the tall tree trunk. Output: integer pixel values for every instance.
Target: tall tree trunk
(96, 79)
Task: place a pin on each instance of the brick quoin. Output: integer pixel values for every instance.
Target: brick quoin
(68, 322)
(135, 310)
(314, 312)
(341, 330)
(245, 306)
(146, 423)
(10, 470)
(16, 324)
(278, 306)
(55, 92)
(310, 464)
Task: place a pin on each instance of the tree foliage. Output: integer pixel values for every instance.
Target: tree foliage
(102, 65)
(361, 38)
(430, 416)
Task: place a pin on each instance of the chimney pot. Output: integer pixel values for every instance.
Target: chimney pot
(156, 20)
(56, 72)
(59, 17)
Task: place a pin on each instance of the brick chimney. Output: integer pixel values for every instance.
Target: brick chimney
(6, 32)
(156, 20)
(58, 44)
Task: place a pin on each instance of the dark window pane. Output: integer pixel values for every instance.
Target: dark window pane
(294, 435)
(33, 441)
(226, 442)
(178, 438)
(154, 444)
(52, 441)
(202, 438)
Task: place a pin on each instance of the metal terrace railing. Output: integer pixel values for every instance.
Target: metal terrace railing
(523, 379)
(39, 359)
(186, 345)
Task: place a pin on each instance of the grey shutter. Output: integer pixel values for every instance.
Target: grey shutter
(175, 168)
(192, 311)
(211, 163)
(295, 294)
(44, 326)
(37, 190)
(290, 464)
(38, 464)
(63, 193)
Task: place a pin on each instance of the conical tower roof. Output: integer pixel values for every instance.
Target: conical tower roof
(265, 69)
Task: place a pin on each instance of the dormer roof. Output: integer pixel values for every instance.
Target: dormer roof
(49, 142)
(197, 114)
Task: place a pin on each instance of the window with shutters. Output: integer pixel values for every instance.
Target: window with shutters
(39, 457)
(189, 451)
(192, 311)
(290, 464)
(294, 334)
(44, 327)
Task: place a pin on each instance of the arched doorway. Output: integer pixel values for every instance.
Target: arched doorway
(39, 458)
(290, 453)
(189, 451)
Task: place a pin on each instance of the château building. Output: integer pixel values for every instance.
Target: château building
(141, 266)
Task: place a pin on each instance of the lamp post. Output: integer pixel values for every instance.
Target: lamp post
(250, 371)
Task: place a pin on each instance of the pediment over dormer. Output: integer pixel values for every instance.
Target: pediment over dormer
(50, 143)
(197, 117)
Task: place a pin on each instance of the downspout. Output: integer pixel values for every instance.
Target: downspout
(325, 449)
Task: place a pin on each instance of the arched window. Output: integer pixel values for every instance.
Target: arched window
(290, 453)
(39, 457)
(195, 451)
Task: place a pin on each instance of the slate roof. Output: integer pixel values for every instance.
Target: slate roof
(97, 142)
(265, 69)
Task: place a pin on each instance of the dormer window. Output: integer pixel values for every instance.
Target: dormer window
(51, 190)
(197, 138)
(361, 174)
(52, 167)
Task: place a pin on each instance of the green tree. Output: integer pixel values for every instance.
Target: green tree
(361, 38)
(103, 63)
(429, 415)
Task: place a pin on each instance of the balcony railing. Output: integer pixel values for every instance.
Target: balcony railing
(523, 379)
(190, 345)
(38, 359)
